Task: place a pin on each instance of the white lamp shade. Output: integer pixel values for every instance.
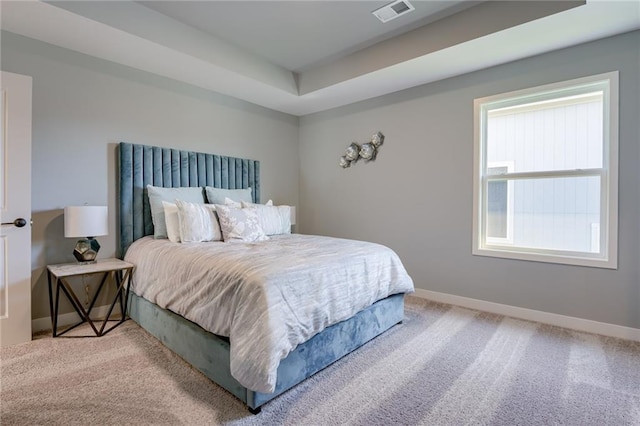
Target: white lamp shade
(85, 221)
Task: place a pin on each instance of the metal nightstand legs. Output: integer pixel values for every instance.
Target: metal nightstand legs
(119, 277)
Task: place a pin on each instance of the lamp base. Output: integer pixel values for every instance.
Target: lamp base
(86, 250)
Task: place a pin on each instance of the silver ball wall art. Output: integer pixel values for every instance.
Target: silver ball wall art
(352, 152)
(344, 163)
(367, 151)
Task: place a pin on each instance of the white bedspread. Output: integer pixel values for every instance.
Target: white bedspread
(269, 296)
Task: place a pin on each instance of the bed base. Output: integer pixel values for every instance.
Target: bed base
(210, 353)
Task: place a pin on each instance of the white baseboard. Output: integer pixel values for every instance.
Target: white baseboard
(579, 324)
(42, 324)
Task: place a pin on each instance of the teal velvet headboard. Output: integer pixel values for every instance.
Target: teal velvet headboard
(142, 165)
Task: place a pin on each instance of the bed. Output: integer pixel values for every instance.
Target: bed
(211, 353)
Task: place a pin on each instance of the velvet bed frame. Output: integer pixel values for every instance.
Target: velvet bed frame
(140, 165)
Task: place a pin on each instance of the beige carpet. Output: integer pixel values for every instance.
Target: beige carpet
(443, 366)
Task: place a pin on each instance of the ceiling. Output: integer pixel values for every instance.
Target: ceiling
(298, 35)
(301, 57)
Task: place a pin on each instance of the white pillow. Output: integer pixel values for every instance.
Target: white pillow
(274, 220)
(159, 194)
(217, 195)
(229, 202)
(238, 204)
(240, 224)
(248, 204)
(172, 221)
(198, 222)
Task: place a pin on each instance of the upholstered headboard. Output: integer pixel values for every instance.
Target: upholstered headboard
(142, 165)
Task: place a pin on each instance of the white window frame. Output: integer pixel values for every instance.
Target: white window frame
(608, 255)
(509, 238)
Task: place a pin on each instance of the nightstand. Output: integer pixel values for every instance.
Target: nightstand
(113, 271)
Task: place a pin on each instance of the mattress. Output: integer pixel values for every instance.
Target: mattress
(266, 297)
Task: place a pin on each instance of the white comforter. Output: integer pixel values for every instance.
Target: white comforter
(269, 296)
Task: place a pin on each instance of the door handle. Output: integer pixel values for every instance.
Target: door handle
(19, 222)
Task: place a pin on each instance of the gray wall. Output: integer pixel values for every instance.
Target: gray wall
(417, 196)
(82, 107)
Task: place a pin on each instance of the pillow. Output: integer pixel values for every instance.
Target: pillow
(238, 204)
(274, 220)
(198, 222)
(229, 202)
(158, 194)
(217, 195)
(249, 204)
(172, 222)
(240, 224)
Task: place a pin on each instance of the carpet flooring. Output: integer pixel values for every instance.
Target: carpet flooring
(444, 365)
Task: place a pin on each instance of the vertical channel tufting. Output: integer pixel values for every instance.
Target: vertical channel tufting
(245, 174)
(238, 179)
(209, 164)
(217, 171)
(192, 169)
(147, 179)
(202, 170)
(252, 176)
(157, 167)
(256, 182)
(138, 194)
(231, 173)
(141, 165)
(184, 168)
(167, 175)
(175, 168)
(125, 194)
(224, 163)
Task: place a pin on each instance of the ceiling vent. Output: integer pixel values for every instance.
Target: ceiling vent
(393, 10)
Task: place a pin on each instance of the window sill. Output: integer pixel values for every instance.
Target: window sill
(564, 259)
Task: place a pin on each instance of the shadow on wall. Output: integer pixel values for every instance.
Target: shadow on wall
(48, 244)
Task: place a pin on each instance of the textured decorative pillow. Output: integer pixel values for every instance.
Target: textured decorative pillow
(172, 222)
(158, 194)
(274, 220)
(217, 195)
(240, 224)
(198, 222)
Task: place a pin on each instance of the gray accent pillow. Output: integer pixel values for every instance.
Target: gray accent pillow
(217, 195)
(159, 194)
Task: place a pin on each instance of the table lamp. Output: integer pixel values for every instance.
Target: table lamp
(86, 222)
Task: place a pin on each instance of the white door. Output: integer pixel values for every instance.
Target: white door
(15, 204)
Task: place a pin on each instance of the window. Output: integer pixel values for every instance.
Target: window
(546, 173)
(499, 204)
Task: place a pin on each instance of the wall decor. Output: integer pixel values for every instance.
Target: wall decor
(367, 151)
(352, 152)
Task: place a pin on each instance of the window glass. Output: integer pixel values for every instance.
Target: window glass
(560, 134)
